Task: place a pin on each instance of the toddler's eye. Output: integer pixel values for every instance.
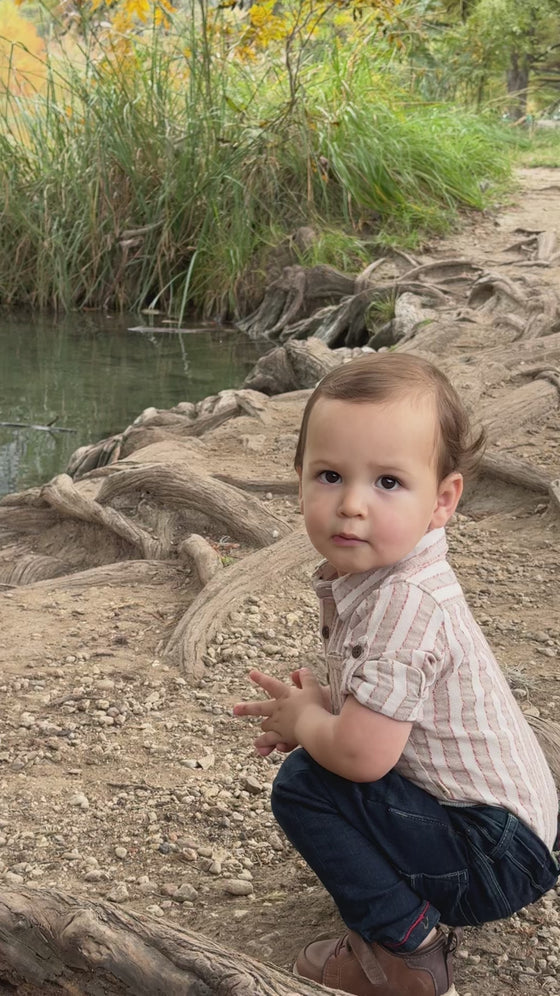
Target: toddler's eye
(387, 483)
(329, 477)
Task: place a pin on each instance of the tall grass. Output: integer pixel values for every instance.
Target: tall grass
(159, 175)
(536, 146)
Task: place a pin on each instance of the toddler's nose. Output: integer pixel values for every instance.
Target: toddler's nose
(352, 502)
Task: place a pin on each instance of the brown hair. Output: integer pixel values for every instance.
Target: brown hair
(380, 377)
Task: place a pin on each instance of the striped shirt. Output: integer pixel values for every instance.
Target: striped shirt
(403, 642)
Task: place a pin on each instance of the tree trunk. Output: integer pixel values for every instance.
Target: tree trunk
(517, 78)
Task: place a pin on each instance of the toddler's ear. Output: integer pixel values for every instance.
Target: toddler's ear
(300, 492)
(449, 493)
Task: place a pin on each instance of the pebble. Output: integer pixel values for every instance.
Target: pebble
(118, 894)
(185, 893)
(95, 875)
(251, 785)
(13, 878)
(238, 887)
(79, 799)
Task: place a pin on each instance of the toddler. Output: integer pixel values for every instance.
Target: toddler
(419, 793)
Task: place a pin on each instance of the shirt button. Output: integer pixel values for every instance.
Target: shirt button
(325, 632)
(356, 651)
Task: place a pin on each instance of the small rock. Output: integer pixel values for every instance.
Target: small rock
(14, 879)
(238, 887)
(251, 785)
(118, 894)
(95, 875)
(186, 893)
(79, 799)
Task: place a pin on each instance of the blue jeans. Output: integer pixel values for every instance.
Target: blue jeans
(395, 860)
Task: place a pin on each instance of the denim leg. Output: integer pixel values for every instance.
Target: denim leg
(346, 835)
(395, 860)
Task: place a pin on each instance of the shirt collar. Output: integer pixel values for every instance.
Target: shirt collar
(349, 590)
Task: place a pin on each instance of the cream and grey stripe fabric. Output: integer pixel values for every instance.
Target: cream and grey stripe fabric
(403, 642)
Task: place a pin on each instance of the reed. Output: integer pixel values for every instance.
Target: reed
(158, 174)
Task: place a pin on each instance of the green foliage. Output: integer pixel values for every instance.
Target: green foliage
(155, 170)
(536, 147)
(502, 26)
(503, 52)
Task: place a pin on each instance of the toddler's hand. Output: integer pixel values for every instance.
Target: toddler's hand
(286, 705)
(268, 742)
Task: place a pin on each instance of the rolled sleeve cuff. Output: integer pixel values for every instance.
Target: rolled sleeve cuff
(394, 688)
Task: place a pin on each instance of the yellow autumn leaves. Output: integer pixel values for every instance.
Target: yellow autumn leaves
(22, 53)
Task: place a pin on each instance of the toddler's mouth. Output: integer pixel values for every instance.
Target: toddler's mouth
(347, 539)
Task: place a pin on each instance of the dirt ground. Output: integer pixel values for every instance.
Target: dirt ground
(122, 778)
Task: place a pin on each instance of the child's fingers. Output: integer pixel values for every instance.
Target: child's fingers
(267, 742)
(272, 686)
(264, 751)
(253, 708)
(267, 739)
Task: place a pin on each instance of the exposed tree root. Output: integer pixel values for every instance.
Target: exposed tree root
(225, 591)
(526, 352)
(241, 516)
(524, 404)
(296, 293)
(206, 560)
(30, 567)
(275, 487)
(63, 944)
(64, 497)
(442, 266)
(122, 572)
(301, 363)
(548, 735)
(345, 312)
(554, 494)
(185, 420)
(514, 471)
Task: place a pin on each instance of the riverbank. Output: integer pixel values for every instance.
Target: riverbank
(124, 777)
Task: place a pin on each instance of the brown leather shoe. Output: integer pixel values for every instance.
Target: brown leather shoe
(353, 965)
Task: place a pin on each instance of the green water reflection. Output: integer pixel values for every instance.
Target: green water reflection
(93, 376)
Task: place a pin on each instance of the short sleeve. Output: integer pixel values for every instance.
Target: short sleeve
(394, 654)
(397, 688)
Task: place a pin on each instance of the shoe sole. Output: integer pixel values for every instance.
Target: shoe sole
(450, 992)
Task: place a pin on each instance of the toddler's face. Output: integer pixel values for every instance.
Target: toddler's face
(368, 486)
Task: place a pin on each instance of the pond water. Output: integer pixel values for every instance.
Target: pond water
(91, 375)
